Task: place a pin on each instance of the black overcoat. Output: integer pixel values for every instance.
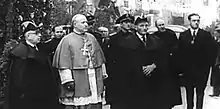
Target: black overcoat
(215, 75)
(147, 91)
(31, 82)
(119, 69)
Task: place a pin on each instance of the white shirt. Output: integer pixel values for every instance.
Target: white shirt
(140, 36)
(192, 30)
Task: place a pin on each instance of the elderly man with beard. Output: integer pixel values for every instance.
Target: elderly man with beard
(118, 66)
(81, 64)
(170, 43)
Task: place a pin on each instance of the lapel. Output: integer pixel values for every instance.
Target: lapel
(139, 42)
(199, 34)
(134, 42)
(188, 37)
(188, 34)
(198, 37)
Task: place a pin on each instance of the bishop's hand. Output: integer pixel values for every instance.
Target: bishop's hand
(69, 86)
(67, 90)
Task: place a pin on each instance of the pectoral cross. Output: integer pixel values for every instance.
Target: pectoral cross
(85, 50)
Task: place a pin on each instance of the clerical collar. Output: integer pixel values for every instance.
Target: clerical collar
(192, 30)
(29, 43)
(77, 32)
(140, 36)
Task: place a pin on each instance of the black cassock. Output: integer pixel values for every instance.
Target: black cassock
(170, 46)
(31, 82)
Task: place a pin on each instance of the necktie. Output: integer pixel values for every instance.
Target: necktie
(193, 37)
(194, 34)
(143, 39)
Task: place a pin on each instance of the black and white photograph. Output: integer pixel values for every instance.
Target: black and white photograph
(109, 54)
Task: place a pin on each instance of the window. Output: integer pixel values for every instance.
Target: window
(126, 4)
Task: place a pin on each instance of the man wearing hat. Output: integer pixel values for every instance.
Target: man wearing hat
(118, 64)
(31, 82)
(91, 23)
(146, 67)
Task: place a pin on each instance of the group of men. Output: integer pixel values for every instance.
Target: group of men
(138, 69)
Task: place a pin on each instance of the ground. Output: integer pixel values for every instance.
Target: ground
(209, 102)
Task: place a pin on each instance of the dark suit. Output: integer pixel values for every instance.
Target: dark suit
(196, 59)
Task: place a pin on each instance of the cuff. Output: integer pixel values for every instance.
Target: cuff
(105, 75)
(65, 76)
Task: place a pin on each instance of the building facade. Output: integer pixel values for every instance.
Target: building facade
(174, 11)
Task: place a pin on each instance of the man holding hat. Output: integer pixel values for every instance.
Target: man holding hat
(31, 82)
(118, 61)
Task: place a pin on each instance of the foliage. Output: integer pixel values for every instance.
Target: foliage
(4, 63)
(106, 16)
(59, 14)
(13, 14)
(211, 28)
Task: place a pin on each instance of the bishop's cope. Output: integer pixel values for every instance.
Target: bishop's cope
(81, 65)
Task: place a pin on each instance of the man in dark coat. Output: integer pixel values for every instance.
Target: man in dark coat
(197, 55)
(52, 44)
(91, 23)
(170, 43)
(31, 82)
(119, 66)
(150, 83)
(215, 75)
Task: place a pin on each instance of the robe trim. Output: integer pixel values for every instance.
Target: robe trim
(65, 76)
